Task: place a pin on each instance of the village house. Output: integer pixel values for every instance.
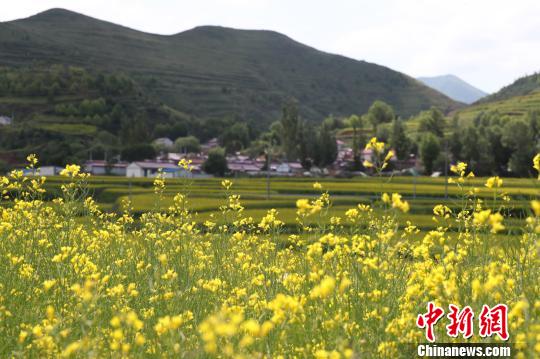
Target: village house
(289, 168)
(45, 171)
(244, 168)
(5, 121)
(412, 163)
(240, 164)
(196, 162)
(341, 145)
(197, 159)
(315, 171)
(150, 169)
(102, 168)
(367, 155)
(207, 146)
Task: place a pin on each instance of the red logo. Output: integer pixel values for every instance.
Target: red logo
(429, 320)
(494, 321)
(460, 321)
(491, 321)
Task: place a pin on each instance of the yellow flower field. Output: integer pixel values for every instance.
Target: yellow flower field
(79, 282)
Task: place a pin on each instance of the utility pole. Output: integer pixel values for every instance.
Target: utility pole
(268, 164)
(129, 186)
(414, 184)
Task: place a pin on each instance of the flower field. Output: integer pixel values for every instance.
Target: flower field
(342, 277)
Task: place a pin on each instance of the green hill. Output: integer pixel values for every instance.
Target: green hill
(517, 106)
(65, 113)
(215, 72)
(521, 87)
(515, 100)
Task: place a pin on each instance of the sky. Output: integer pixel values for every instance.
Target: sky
(488, 43)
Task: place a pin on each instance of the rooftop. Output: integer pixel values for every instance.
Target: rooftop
(155, 165)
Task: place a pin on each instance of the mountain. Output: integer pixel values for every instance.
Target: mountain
(523, 86)
(216, 72)
(454, 87)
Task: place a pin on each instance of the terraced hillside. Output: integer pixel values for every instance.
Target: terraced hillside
(514, 100)
(64, 113)
(517, 106)
(213, 71)
(521, 87)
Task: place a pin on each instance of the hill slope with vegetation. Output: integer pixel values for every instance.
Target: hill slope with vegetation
(213, 72)
(525, 85)
(67, 114)
(513, 107)
(517, 100)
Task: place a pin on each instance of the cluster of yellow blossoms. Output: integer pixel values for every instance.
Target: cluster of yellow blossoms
(80, 282)
(380, 159)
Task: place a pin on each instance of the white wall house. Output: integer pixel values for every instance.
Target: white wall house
(283, 168)
(150, 169)
(49, 170)
(42, 171)
(289, 167)
(134, 170)
(5, 121)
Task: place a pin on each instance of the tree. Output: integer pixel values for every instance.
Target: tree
(303, 154)
(499, 153)
(455, 145)
(307, 144)
(430, 149)
(356, 123)
(134, 130)
(432, 121)
(380, 112)
(138, 152)
(454, 140)
(289, 129)
(274, 133)
(480, 144)
(384, 130)
(470, 151)
(327, 146)
(235, 138)
(533, 118)
(189, 144)
(518, 136)
(216, 163)
(106, 143)
(399, 140)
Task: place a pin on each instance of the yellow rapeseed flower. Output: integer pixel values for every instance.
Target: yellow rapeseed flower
(323, 289)
(535, 205)
(494, 182)
(536, 164)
